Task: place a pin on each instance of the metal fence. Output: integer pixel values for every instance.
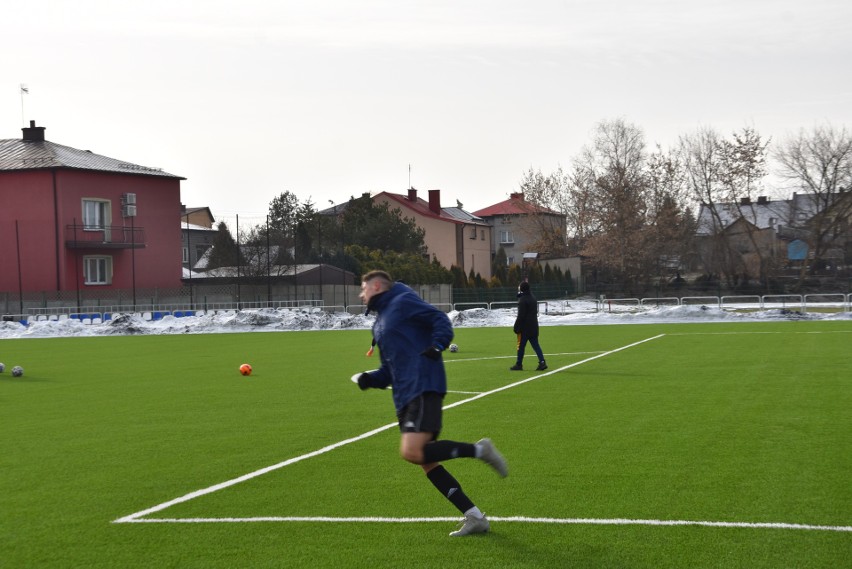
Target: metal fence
(155, 311)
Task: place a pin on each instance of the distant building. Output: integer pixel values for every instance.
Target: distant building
(197, 234)
(75, 220)
(518, 226)
(452, 235)
(783, 230)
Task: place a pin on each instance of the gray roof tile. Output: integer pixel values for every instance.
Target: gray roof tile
(17, 154)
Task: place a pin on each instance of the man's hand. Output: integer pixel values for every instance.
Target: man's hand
(363, 380)
(432, 352)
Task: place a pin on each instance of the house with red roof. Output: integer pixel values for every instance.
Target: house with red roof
(73, 220)
(522, 227)
(452, 235)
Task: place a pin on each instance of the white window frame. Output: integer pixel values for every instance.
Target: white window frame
(185, 254)
(96, 214)
(97, 270)
(506, 236)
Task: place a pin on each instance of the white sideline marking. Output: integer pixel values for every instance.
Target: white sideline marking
(518, 519)
(222, 485)
(455, 360)
(757, 333)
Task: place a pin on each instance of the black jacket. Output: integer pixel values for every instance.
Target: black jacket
(527, 320)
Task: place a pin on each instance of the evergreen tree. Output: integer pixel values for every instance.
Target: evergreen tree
(378, 227)
(224, 252)
(459, 278)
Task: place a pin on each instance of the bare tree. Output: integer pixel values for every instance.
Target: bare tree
(723, 175)
(614, 183)
(741, 173)
(669, 215)
(546, 201)
(819, 163)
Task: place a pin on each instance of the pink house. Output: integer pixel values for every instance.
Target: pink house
(74, 220)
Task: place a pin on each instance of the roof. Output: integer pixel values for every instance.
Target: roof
(761, 215)
(450, 214)
(195, 227)
(19, 154)
(191, 210)
(275, 270)
(515, 205)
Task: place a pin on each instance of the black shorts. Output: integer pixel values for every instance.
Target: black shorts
(422, 414)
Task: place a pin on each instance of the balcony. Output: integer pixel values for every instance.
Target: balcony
(104, 237)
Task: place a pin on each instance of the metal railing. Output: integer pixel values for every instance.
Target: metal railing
(104, 237)
(823, 302)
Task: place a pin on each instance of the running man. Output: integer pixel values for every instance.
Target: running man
(411, 334)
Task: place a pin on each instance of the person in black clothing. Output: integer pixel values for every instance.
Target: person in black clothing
(526, 327)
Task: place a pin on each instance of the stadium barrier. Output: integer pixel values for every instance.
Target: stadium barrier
(823, 302)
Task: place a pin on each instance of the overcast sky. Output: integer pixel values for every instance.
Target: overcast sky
(331, 99)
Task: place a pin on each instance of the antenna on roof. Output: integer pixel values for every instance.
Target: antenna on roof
(409, 175)
(24, 91)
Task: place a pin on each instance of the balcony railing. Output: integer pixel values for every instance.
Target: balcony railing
(104, 237)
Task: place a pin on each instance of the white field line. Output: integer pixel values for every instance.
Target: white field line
(757, 333)
(256, 473)
(515, 356)
(510, 519)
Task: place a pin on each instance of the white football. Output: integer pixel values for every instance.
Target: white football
(454, 348)
(17, 371)
(2, 367)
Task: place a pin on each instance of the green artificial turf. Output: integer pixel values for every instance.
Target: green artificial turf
(742, 423)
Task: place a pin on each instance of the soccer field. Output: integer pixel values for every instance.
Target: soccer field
(658, 446)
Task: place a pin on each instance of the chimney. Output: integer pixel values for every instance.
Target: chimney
(435, 201)
(516, 196)
(412, 194)
(762, 200)
(745, 201)
(33, 133)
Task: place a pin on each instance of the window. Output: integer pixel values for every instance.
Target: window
(506, 236)
(185, 251)
(95, 214)
(97, 270)
(482, 235)
(473, 233)
(510, 260)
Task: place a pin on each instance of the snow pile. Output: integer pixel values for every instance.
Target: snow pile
(278, 320)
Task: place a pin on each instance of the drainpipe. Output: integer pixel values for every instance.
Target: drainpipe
(58, 229)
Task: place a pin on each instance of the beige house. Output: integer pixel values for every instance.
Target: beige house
(452, 235)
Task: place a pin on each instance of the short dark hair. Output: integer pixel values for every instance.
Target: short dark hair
(524, 286)
(388, 281)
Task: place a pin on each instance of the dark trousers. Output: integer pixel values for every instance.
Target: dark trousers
(522, 345)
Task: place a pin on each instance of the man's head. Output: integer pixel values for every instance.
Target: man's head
(373, 283)
(524, 287)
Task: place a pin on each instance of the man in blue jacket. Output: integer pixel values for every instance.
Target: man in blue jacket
(411, 334)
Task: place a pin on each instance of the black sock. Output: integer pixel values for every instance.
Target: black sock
(439, 451)
(449, 487)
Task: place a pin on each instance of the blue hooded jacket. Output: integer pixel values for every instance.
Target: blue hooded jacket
(405, 326)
